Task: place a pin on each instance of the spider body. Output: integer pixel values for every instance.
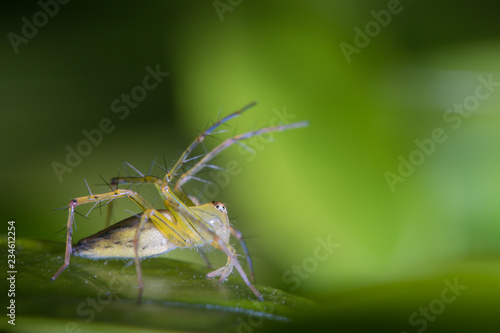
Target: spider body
(116, 241)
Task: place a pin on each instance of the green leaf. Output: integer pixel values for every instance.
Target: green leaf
(101, 295)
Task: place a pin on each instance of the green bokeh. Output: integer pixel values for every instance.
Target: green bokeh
(326, 181)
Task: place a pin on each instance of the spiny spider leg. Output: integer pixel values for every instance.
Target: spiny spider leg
(226, 144)
(199, 139)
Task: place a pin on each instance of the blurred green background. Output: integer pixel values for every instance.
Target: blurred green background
(327, 181)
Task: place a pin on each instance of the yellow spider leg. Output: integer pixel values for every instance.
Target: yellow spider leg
(174, 231)
(178, 230)
(202, 253)
(128, 180)
(136, 180)
(135, 244)
(158, 182)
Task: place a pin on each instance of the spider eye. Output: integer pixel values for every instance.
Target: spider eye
(219, 206)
